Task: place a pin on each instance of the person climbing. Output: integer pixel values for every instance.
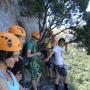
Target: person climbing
(10, 47)
(34, 66)
(58, 51)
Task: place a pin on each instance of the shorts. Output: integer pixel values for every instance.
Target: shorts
(49, 64)
(62, 71)
(34, 70)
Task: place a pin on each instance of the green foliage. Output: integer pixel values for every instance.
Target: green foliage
(31, 7)
(87, 33)
(82, 3)
(52, 11)
(87, 26)
(80, 69)
(57, 13)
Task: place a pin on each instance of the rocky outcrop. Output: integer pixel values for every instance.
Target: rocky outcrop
(10, 15)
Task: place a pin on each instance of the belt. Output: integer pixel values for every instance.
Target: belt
(60, 65)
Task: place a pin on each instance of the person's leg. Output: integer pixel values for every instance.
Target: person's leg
(34, 85)
(38, 74)
(47, 69)
(49, 65)
(63, 72)
(57, 81)
(33, 76)
(50, 72)
(66, 83)
(38, 79)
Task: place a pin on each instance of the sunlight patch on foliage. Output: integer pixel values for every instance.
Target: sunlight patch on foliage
(80, 69)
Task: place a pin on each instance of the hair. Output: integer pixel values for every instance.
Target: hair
(4, 55)
(61, 39)
(34, 38)
(18, 36)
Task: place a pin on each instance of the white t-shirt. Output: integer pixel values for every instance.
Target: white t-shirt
(59, 52)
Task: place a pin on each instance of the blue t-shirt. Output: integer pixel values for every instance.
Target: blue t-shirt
(15, 85)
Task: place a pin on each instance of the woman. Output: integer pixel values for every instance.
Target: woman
(10, 47)
(20, 33)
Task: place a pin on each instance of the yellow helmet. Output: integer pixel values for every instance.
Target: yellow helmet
(9, 42)
(17, 30)
(36, 35)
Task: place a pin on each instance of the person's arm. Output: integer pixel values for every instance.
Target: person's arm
(3, 85)
(50, 55)
(29, 54)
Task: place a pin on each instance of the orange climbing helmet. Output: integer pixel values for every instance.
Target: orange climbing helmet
(17, 30)
(9, 42)
(36, 35)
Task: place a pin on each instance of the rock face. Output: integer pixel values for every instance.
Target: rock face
(10, 15)
(6, 17)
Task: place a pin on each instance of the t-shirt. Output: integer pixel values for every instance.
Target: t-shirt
(32, 46)
(15, 85)
(48, 43)
(58, 52)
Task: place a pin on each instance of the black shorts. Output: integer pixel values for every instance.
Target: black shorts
(62, 71)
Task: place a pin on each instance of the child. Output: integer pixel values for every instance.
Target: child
(58, 51)
(34, 66)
